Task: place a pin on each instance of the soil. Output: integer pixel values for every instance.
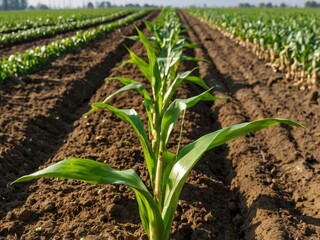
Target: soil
(261, 186)
(21, 47)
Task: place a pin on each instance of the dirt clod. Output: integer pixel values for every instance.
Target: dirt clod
(261, 186)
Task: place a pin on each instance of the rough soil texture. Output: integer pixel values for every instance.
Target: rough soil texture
(275, 173)
(261, 186)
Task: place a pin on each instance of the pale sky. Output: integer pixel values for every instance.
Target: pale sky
(176, 3)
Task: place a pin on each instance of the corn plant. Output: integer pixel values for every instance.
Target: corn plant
(168, 170)
(47, 31)
(14, 21)
(288, 39)
(28, 61)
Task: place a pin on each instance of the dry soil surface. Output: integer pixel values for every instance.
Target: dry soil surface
(261, 186)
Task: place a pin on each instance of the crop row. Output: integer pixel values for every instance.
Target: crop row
(48, 31)
(168, 168)
(22, 63)
(289, 41)
(16, 20)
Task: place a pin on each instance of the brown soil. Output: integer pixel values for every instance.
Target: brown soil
(262, 186)
(32, 43)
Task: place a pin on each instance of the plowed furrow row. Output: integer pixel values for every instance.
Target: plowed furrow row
(279, 103)
(248, 184)
(40, 41)
(280, 197)
(69, 209)
(260, 186)
(49, 102)
(298, 154)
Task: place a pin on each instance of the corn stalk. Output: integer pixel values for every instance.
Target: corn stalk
(168, 171)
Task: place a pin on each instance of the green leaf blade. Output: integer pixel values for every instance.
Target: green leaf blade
(171, 115)
(190, 155)
(88, 171)
(130, 116)
(98, 173)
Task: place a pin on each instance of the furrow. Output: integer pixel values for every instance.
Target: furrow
(111, 211)
(273, 161)
(296, 159)
(51, 100)
(40, 41)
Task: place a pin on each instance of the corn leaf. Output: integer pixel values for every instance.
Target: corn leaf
(88, 171)
(131, 117)
(147, 45)
(191, 45)
(190, 155)
(176, 83)
(153, 64)
(171, 115)
(142, 65)
(193, 59)
(150, 215)
(151, 28)
(98, 173)
(198, 81)
(131, 84)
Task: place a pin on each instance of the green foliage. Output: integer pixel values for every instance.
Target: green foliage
(13, 21)
(168, 171)
(22, 63)
(11, 38)
(292, 34)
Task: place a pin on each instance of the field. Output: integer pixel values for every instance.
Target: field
(264, 185)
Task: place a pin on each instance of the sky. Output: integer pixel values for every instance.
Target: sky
(176, 3)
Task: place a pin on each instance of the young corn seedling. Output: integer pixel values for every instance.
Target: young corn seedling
(168, 171)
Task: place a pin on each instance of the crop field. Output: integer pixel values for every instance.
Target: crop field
(85, 96)
(288, 42)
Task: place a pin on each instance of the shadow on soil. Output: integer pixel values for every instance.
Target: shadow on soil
(46, 134)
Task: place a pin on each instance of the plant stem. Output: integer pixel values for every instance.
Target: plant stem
(158, 183)
(152, 235)
(180, 136)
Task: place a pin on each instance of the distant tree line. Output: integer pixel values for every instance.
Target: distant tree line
(23, 4)
(308, 4)
(105, 4)
(312, 4)
(262, 5)
(13, 4)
